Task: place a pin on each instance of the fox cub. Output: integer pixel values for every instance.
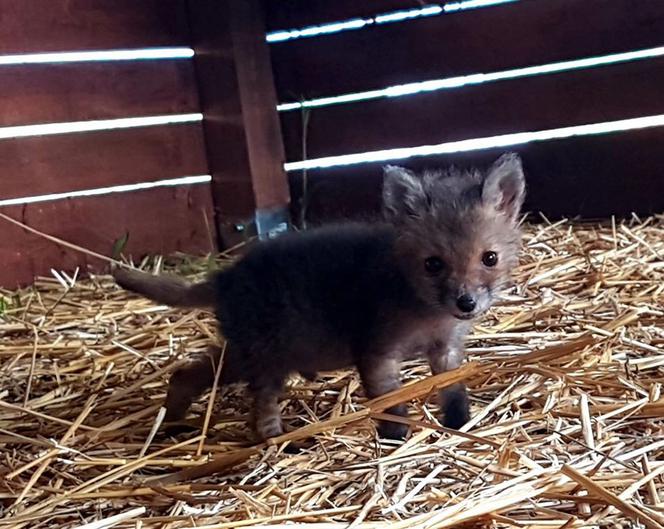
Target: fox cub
(358, 294)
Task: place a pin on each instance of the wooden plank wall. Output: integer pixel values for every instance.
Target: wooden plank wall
(592, 176)
(158, 220)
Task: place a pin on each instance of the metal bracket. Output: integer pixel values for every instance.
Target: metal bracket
(271, 223)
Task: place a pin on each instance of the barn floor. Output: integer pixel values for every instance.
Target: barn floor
(568, 428)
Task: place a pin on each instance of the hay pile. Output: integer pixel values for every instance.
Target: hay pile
(568, 427)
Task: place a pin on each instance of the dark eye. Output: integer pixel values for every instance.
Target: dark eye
(489, 259)
(434, 265)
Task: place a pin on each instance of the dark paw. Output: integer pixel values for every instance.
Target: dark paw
(173, 430)
(456, 411)
(455, 419)
(292, 449)
(392, 430)
(297, 447)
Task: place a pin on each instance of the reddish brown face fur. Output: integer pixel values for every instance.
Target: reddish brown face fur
(459, 236)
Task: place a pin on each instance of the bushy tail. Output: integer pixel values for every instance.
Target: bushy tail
(167, 290)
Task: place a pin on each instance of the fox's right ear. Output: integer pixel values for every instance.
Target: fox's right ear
(403, 194)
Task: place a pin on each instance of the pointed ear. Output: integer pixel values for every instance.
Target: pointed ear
(403, 194)
(504, 186)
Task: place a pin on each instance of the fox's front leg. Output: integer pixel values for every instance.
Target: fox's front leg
(381, 374)
(453, 400)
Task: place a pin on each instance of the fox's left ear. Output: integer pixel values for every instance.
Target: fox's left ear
(504, 186)
(403, 194)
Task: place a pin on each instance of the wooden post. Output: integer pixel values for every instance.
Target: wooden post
(243, 135)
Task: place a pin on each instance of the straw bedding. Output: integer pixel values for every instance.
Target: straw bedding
(565, 377)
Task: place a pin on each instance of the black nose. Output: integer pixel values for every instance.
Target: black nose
(466, 303)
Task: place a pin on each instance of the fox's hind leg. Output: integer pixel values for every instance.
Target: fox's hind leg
(190, 381)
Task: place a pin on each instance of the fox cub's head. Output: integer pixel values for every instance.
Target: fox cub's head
(458, 234)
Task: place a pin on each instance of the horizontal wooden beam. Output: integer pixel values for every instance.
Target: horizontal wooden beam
(33, 26)
(67, 162)
(589, 177)
(542, 102)
(50, 93)
(512, 35)
(158, 221)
